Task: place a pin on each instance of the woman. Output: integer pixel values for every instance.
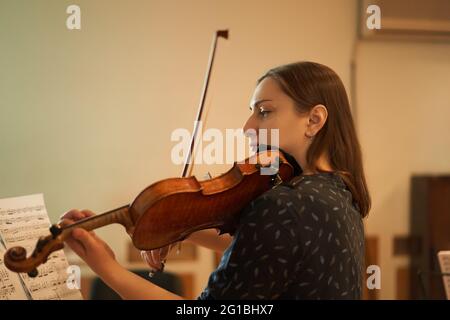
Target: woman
(303, 240)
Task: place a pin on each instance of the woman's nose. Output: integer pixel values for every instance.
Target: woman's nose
(250, 127)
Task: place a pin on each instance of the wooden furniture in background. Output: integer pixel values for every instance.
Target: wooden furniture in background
(430, 223)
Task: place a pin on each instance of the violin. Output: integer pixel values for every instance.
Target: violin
(168, 211)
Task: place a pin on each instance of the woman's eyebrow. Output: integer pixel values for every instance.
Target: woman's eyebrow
(258, 102)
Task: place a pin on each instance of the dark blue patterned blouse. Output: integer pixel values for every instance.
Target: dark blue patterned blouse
(301, 241)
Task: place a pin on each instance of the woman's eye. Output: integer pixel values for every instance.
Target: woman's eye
(263, 113)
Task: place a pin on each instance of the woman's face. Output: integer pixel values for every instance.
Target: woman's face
(273, 109)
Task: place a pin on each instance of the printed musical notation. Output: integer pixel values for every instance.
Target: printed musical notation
(10, 283)
(22, 221)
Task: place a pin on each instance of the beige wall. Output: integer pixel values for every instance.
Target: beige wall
(403, 103)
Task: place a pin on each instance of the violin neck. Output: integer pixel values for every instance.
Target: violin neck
(120, 215)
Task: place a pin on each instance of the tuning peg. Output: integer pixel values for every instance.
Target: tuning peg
(33, 273)
(55, 230)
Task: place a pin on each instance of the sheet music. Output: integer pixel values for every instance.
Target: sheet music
(444, 262)
(22, 221)
(10, 284)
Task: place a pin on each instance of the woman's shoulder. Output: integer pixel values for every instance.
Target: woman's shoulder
(303, 198)
(327, 190)
(280, 204)
(322, 188)
(324, 181)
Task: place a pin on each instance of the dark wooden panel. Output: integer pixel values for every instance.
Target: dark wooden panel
(85, 287)
(407, 245)
(403, 284)
(187, 280)
(430, 221)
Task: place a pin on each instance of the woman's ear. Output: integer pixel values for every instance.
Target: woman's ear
(317, 117)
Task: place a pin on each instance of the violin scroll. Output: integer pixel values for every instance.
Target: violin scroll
(16, 259)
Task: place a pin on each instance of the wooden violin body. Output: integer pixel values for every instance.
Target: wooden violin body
(170, 210)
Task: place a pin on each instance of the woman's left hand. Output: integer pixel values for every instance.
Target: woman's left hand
(86, 244)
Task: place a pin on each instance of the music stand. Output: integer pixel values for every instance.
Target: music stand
(444, 263)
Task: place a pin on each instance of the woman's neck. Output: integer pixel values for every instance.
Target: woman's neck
(322, 164)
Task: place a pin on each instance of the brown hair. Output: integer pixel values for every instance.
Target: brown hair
(310, 84)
